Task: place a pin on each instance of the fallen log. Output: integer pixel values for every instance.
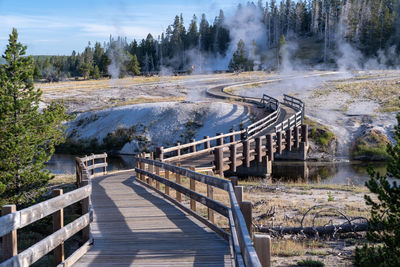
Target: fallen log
(319, 230)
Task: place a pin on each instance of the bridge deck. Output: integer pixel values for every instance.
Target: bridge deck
(135, 227)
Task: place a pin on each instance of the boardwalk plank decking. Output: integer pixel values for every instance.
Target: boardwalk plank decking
(135, 227)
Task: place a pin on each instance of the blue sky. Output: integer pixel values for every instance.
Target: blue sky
(58, 27)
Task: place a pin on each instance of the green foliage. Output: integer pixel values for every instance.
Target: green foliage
(330, 196)
(384, 224)
(133, 67)
(27, 135)
(310, 263)
(239, 61)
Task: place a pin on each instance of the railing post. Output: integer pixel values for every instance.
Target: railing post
(232, 137)
(233, 152)
(210, 194)
(245, 207)
(9, 241)
(105, 162)
(158, 174)
(151, 170)
(304, 133)
(193, 188)
(193, 148)
(77, 172)
(178, 152)
(85, 209)
(178, 181)
(160, 153)
(207, 144)
(220, 141)
(167, 177)
(262, 245)
(279, 142)
(296, 137)
(219, 160)
(92, 170)
(259, 153)
(58, 223)
(239, 193)
(246, 153)
(270, 147)
(288, 139)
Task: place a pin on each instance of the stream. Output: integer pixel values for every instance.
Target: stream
(344, 172)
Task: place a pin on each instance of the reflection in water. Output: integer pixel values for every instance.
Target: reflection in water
(309, 172)
(65, 163)
(352, 173)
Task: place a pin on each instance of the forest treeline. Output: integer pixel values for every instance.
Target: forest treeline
(371, 27)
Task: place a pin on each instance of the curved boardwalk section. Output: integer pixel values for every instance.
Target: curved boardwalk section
(133, 226)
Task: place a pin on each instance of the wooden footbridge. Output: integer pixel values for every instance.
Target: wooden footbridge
(170, 210)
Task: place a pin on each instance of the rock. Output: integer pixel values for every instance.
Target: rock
(370, 145)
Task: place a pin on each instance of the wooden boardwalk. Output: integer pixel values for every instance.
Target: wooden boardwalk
(134, 226)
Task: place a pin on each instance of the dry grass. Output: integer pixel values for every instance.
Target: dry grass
(383, 91)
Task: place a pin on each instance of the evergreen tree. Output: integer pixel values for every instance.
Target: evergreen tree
(281, 50)
(239, 61)
(27, 135)
(384, 224)
(133, 67)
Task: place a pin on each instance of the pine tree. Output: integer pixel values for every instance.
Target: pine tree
(239, 61)
(133, 67)
(384, 224)
(27, 135)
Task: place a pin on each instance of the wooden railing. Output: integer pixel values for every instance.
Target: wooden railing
(294, 120)
(259, 149)
(259, 126)
(12, 220)
(207, 145)
(149, 171)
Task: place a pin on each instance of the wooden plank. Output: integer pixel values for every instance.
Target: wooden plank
(35, 252)
(96, 166)
(36, 212)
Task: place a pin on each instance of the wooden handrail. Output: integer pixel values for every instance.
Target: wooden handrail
(240, 240)
(18, 219)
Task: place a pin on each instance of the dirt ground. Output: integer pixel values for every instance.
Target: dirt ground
(287, 203)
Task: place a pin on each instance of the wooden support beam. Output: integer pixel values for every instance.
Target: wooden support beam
(151, 169)
(232, 137)
(270, 147)
(233, 152)
(296, 137)
(259, 149)
(245, 207)
(279, 142)
(9, 241)
(304, 133)
(262, 245)
(246, 153)
(219, 161)
(105, 162)
(85, 209)
(288, 146)
(58, 223)
(193, 188)
(210, 212)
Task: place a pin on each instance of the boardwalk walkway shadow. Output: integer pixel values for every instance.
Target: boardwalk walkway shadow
(135, 227)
